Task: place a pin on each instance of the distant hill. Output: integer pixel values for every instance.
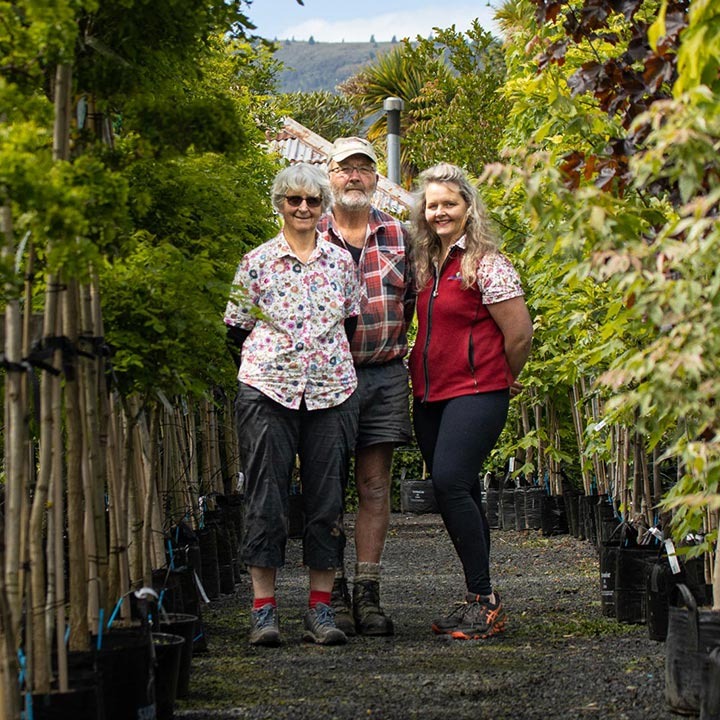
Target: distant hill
(323, 66)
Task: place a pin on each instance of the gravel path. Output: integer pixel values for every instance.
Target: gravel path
(558, 659)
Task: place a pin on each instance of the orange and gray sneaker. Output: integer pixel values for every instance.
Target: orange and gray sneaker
(475, 619)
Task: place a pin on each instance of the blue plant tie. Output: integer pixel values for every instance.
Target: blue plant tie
(160, 599)
(28, 714)
(172, 556)
(22, 664)
(101, 620)
(67, 634)
(115, 611)
(98, 644)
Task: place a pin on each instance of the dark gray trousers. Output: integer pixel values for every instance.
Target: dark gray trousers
(271, 437)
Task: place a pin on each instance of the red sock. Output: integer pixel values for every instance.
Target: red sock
(260, 602)
(319, 597)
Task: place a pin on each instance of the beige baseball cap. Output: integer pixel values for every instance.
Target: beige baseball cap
(345, 147)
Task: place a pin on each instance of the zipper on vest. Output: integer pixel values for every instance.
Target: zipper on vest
(471, 345)
(433, 295)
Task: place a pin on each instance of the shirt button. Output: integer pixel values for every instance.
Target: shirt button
(299, 324)
(299, 346)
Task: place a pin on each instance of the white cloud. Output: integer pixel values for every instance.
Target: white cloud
(383, 27)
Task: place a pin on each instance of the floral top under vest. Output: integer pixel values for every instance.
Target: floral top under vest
(295, 313)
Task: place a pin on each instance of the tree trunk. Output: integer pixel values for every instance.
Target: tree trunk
(150, 554)
(93, 464)
(15, 440)
(716, 573)
(123, 430)
(77, 557)
(9, 691)
(188, 455)
(134, 492)
(232, 446)
(39, 576)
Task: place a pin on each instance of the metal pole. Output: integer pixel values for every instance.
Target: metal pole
(393, 106)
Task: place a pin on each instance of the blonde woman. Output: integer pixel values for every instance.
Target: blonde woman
(474, 336)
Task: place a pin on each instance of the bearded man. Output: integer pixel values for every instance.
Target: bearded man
(379, 245)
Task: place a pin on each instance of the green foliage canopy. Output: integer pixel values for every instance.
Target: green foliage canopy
(625, 195)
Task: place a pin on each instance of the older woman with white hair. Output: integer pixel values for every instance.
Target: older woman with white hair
(295, 300)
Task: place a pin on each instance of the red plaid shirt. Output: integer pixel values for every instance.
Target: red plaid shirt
(387, 299)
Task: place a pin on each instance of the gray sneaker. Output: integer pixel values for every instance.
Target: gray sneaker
(475, 619)
(342, 607)
(320, 626)
(447, 624)
(264, 628)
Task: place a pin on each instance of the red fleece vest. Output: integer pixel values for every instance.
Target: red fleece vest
(459, 349)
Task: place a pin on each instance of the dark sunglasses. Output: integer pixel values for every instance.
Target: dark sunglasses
(297, 201)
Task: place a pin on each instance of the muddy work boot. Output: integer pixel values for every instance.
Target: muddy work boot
(342, 606)
(370, 618)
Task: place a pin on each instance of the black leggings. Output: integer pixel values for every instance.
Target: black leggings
(455, 438)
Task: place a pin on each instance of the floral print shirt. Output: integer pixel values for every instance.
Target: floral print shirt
(295, 312)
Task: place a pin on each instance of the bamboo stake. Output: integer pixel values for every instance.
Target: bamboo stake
(575, 405)
(116, 512)
(191, 433)
(636, 490)
(625, 468)
(647, 494)
(216, 463)
(184, 461)
(164, 485)
(232, 445)
(168, 488)
(148, 560)
(554, 437)
(524, 417)
(614, 466)
(123, 424)
(537, 413)
(134, 497)
(601, 477)
(206, 480)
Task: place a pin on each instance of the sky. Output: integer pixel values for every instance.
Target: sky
(337, 20)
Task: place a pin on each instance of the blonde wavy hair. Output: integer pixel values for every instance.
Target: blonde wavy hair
(426, 245)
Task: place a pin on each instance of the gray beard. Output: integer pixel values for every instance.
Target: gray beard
(354, 201)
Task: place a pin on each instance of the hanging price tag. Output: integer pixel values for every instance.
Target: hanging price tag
(672, 557)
